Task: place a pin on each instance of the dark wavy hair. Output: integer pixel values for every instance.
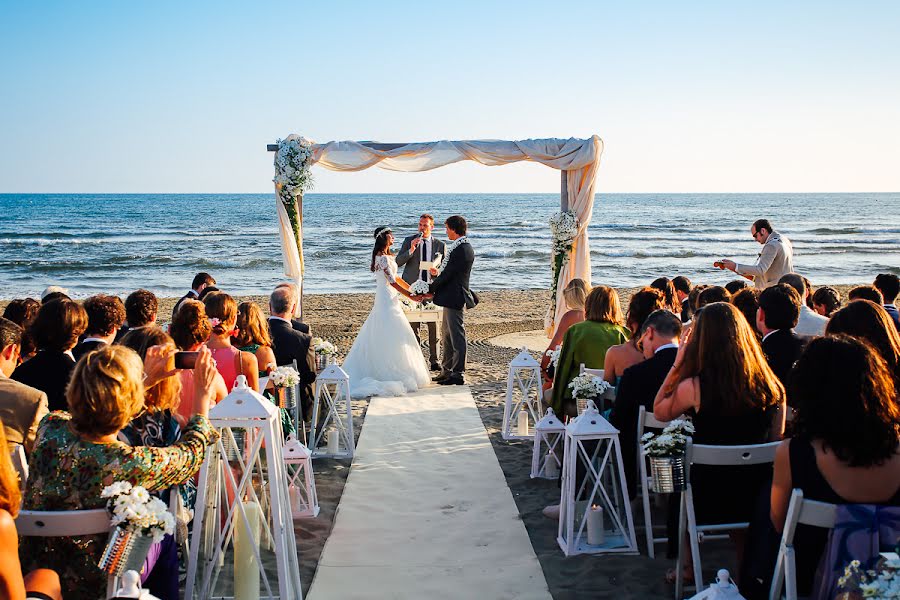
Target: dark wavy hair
(827, 297)
(841, 388)
(747, 301)
(58, 325)
(644, 302)
(869, 322)
(665, 285)
(381, 245)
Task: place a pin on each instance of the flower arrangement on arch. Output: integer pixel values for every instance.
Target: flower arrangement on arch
(563, 229)
(284, 376)
(292, 166)
(671, 442)
(135, 510)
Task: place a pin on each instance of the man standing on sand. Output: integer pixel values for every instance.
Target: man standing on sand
(416, 250)
(775, 260)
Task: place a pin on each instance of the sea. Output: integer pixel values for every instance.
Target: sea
(116, 243)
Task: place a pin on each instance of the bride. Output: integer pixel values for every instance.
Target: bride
(385, 359)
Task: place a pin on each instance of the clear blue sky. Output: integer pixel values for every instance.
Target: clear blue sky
(688, 96)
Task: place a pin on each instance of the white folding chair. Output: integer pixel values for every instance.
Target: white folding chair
(800, 511)
(20, 464)
(701, 454)
(606, 399)
(645, 420)
(66, 523)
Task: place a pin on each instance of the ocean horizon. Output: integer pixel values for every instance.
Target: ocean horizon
(115, 243)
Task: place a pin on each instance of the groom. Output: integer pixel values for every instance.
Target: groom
(451, 291)
(415, 250)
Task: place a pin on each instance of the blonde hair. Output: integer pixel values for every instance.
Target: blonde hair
(106, 390)
(602, 305)
(10, 494)
(165, 395)
(252, 326)
(575, 294)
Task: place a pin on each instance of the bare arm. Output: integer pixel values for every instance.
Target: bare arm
(668, 407)
(11, 583)
(609, 365)
(250, 370)
(781, 486)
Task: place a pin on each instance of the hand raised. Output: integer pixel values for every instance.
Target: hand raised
(204, 378)
(159, 363)
(415, 243)
(433, 271)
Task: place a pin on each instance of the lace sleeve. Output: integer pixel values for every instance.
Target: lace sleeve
(381, 264)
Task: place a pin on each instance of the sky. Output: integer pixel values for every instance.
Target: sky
(688, 96)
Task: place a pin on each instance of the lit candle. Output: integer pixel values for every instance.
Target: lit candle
(334, 441)
(551, 468)
(523, 423)
(595, 532)
(246, 569)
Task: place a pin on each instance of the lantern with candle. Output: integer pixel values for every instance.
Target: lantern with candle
(547, 453)
(301, 481)
(331, 434)
(229, 521)
(523, 397)
(595, 514)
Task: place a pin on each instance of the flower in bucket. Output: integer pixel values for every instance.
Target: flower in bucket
(323, 346)
(136, 511)
(671, 442)
(284, 376)
(588, 387)
(554, 356)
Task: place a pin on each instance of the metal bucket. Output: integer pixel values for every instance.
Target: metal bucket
(323, 360)
(125, 551)
(286, 397)
(667, 474)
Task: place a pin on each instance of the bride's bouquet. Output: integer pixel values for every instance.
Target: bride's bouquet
(418, 288)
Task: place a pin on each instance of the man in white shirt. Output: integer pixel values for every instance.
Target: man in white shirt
(811, 323)
(775, 259)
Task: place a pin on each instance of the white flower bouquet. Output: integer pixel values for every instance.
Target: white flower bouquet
(135, 510)
(323, 346)
(292, 162)
(554, 356)
(564, 227)
(418, 287)
(588, 387)
(671, 442)
(284, 377)
(881, 583)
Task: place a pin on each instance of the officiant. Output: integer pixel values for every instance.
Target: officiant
(416, 255)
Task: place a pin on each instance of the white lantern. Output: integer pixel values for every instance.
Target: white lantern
(595, 515)
(301, 480)
(547, 453)
(225, 556)
(523, 397)
(331, 435)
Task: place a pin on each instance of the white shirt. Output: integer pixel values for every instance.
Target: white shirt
(811, 323)
(768, 334)
(274, 318)
(664, 346)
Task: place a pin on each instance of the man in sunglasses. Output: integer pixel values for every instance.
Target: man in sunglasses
(775, 259)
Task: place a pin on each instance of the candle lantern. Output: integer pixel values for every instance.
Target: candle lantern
(301, 481)
(523, 397)
(331, 431)
(547, 453)
(595, 515)
(225, 557)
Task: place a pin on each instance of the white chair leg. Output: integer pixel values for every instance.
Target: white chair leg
(777, 576)
(790, 574)
(679, 563)
(645, 498)
(693, 538)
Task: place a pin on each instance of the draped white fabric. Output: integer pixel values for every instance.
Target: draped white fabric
(580, 158)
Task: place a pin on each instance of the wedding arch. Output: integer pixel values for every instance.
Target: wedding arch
(577, 159)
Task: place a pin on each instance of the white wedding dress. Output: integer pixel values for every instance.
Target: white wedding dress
(385, 359)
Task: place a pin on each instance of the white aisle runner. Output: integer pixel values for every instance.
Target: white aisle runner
(426, 512)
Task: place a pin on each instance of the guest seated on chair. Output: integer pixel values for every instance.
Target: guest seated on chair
(889, 286)
(21, 407)
(733, 287)
(620, 357)
(722, 380)
(682, 292)
(870, 323)
(826, 300)
(586, 343)
(290, 344)
(296, 322)
(189, 330)
(252, 335)
(846, 443)
(641, 382)
(747, 301)
(23, 312)
(809, 324)
(55, 332)
(141, 307)
(106, 315)
(779, 310)
(574, 296)
(40, 583)
(230, 362)
(866, 292)
(79, 454)
(670, 300)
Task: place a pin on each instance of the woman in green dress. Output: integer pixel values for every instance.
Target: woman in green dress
(586, 343)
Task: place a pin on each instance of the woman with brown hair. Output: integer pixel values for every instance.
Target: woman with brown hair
(622, 356)
(722, 380)
(574, 296)
(252, 335)
(79, 454)
(870, 323)
(189, 330)
(39, 584)
(826, 300)
(23, 312)
(586, 343)
(55, 332)
(230, 362)
(670, 296)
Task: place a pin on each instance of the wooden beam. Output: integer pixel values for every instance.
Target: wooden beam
(564, 193)
(372, 145)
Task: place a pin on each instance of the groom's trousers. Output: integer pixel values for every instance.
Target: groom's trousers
(453, 342)
(432, 338)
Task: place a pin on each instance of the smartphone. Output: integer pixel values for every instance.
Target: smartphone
(185, 360)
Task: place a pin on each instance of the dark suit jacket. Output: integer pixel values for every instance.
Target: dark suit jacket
(85, 347)
(638, 387)
(410, 260)
(451, 287)
(48, 371)
(288, 344)
(190, 295)
(300, 326)
(782, 349)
